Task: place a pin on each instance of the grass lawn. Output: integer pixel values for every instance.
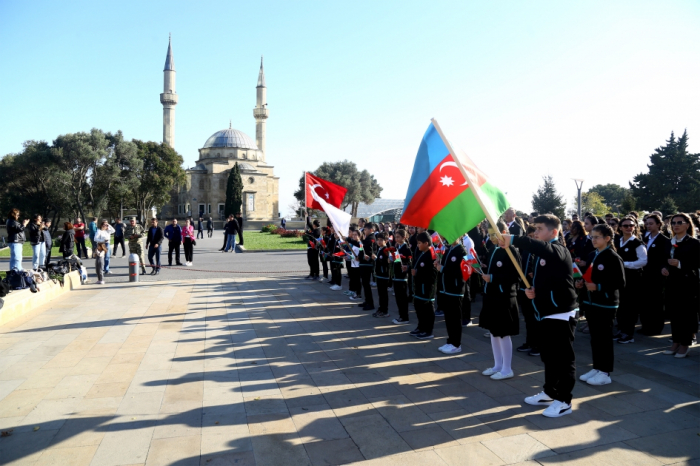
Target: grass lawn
(254, 240)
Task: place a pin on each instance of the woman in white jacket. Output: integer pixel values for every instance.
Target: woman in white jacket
(102, 236)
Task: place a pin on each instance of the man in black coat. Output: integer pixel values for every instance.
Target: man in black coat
(239, 219)
(514, 227)
(154, 239)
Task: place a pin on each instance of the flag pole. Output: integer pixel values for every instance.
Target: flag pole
(475, 190)
(306, 188)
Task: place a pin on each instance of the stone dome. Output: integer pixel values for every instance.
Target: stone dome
(246, 167)
(230, 137)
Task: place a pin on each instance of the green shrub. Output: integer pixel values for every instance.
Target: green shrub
(292, 234)
(268, 228)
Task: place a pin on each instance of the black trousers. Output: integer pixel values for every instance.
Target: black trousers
(200, 234)
(48, 256)
(600, 324)
(189, 249)
(240, 237)
(80, 244)
(452, 307)
(630, 304)
(425, 314)
(401, 294)
(366, 277)
(652, 315)
(173, 246)
(383, 293)
(467, 304)
(312, 258)
(117, 241)
(531, 324)
(335, 274)
(154, 253)
(210, 232)
(557, 352)
(410, 284)
(324, 264)
(355, 280)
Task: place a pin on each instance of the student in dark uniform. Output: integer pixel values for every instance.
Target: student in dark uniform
(634, 258)
(451, 292)
(683, 284)
(499, 313)
(658, 246)
(401, 274)
(424, 275)
(413, 245)
(553, 298)
(313, 234)
(336, 260)
(579, 245)
(369, 249)
(601, 298)
(531, 345)
(382, 273)
(323, 252)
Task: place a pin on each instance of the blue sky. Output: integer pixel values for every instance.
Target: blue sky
(570, 89)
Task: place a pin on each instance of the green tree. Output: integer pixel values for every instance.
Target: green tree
(668, 206)
(234, 192)
(673, 172)
(593, 202)
(629, 203)
(547, 200)
(613, 194)
(128, 164)
(361, 185)
(161, 169)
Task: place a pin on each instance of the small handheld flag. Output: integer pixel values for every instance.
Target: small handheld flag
(577, 272)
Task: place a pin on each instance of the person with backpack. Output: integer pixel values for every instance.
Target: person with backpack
(36, 239)
(15, 238)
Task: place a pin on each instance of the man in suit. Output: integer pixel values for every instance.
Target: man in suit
(514, 227)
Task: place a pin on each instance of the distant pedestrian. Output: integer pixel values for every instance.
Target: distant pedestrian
(154, 240)
(100, 253)
(231, 233)
(36, 239)
(135, 233)
(200, 228)
(67, 240)
(15, 238)
(188, 241)
(174, 234)
(92, 230)
(79, 235)
(104, 236)
(119, 237)
(283, 222)
(210, 227)
(47, 241)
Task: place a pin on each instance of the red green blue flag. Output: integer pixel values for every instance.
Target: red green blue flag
(438, 196)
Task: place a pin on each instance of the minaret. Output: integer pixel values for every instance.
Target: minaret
(169, 99)
(260, 111)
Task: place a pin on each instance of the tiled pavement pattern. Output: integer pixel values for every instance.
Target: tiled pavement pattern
(275, 371)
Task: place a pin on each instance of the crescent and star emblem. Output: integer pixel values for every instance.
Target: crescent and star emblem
(313, 188)
(446, 180)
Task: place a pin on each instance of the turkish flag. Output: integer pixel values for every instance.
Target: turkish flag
(332, 193)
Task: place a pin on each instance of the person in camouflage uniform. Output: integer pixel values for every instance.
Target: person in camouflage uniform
(134, 234)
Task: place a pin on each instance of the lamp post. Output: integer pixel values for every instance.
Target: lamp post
(579, 185)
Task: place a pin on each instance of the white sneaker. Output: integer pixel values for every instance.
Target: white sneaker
(487, 334)
(588, 375)
(444, 346)
(541, 399)
(372, 283)
(557, 409)
(451, 349)
(601, 378)
(502, 376)
(489, 372)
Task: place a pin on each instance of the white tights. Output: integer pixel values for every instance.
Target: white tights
(502, 353)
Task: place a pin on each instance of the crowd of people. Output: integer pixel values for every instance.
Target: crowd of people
(105, 240)
(602, 275)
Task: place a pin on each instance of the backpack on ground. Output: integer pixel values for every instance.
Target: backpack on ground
(21, 280)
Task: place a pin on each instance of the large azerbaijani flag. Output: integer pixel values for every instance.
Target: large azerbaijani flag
(438, 196)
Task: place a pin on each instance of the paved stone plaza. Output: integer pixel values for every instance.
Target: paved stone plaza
(223, 369)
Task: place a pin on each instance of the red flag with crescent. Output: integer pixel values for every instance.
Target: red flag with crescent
(332, 193)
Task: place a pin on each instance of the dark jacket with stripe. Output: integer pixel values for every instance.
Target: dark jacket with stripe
(382, 267)
(552, 279)
(405, 251)
(369, 247)
(424, 280)
(450, 280)
(609, 275)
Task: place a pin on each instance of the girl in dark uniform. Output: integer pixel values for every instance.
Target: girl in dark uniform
(634, 257)
(499, 313)
(313, 233)
(601, 297)
(658, 245)
(683, 284)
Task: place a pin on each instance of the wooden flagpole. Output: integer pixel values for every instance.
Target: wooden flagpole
(475, 190)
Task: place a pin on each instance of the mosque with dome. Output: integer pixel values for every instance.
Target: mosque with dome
(204, 191)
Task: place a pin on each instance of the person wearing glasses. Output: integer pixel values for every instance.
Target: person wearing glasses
(634, 257)
(683, 284)
(601, 298)
(652, 313)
